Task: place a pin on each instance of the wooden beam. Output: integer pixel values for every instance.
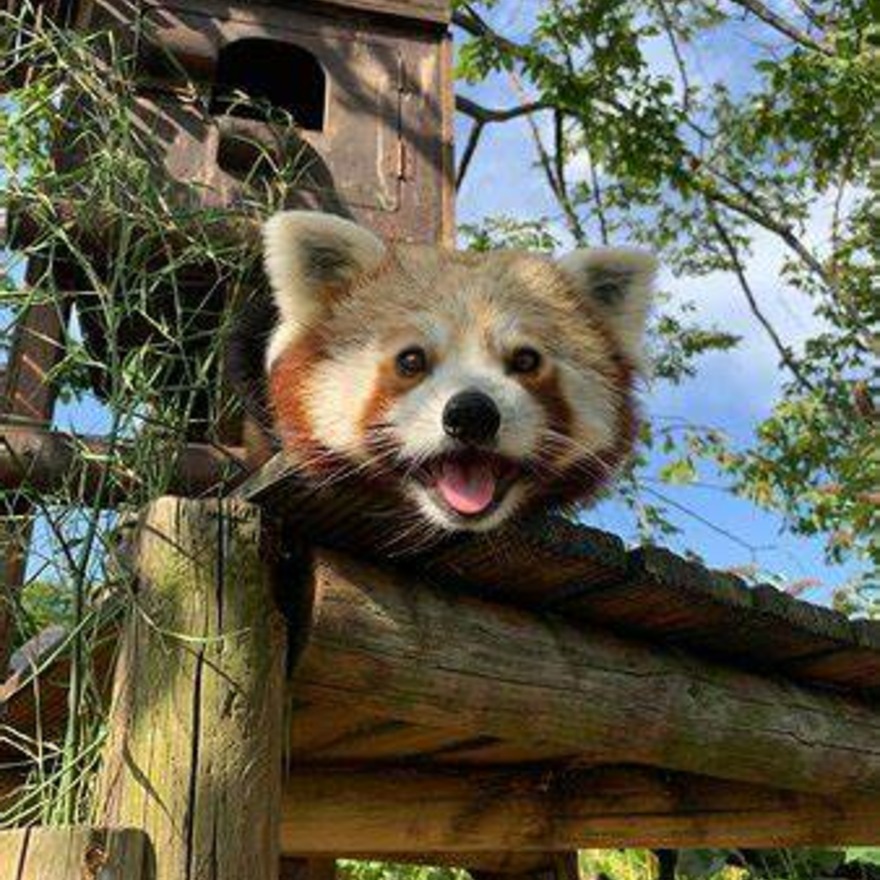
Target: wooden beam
(195, 743)
(28, 392)
(581, 573)
(457, 814)
(48, 461)
(385, 642)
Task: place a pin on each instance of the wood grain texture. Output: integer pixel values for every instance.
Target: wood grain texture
(424, 10)
(75, 854)
(414, 653)
(375, 813)
(12, 848)
(195, 746)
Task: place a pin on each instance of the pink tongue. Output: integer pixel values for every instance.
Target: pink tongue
(467, 488)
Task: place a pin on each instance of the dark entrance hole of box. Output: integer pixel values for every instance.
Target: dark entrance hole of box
(273, 75)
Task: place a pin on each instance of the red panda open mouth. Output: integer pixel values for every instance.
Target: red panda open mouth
(471, 484)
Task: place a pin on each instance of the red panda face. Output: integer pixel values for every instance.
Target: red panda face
(475, 386)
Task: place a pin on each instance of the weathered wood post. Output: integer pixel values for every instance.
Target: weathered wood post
(75, 854)
(194, 756)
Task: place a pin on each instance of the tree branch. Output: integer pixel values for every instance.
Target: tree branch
(784, 351)
(763, 218)
(669, 27)
(557, 186)
(809, 13)
(746, 206)
(468, 154)
(782, 25)
(482, 116)
(471, 23)
(596, 192)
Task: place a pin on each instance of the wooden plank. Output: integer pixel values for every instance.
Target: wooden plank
(37, 706)
(324, 732)
(520, 811)
(74, 854)
(49, 461)
(392, 645)
(530, 564)
(685, 603)
(844, 666)
(388, 740)
(195, 746)
(550, 563)
(37, 347)
(490, 750)
(447, 136)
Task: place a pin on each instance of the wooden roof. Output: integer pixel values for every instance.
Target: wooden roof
(551, 564)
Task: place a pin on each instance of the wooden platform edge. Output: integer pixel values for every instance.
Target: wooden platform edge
(415, 653)
(552, 563)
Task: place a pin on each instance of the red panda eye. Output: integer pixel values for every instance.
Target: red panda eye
(411, 362)
(525, 360)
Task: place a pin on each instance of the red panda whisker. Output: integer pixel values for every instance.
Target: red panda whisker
(571, 445)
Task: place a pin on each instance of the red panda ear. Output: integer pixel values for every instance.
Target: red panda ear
(619, 282)
(308, 256)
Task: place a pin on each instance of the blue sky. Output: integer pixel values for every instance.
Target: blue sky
(734, 390)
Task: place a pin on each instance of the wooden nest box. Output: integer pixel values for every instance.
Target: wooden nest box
(365, 83)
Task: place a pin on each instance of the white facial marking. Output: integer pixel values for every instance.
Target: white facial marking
(282, 336)
(338, 392)
(593, 413)
(419, 414)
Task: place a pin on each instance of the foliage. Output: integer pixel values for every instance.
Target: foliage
(351, 870)
(707, 171)
(140, 355)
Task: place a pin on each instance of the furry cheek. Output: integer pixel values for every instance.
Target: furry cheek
(339, 394)
(593, 409)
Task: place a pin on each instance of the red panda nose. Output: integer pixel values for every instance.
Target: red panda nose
(471, 417)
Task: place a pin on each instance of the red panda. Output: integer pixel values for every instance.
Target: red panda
(476, 386)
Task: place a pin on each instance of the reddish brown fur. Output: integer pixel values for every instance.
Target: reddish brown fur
(287, 380)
